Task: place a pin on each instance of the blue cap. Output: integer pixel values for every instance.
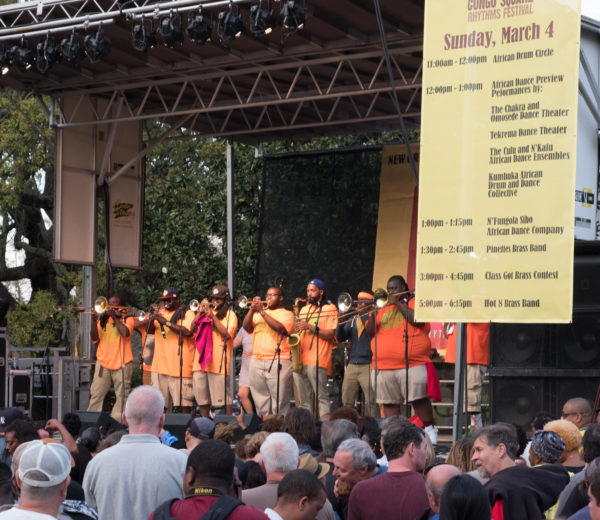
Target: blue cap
(319, 283)
(169, 292)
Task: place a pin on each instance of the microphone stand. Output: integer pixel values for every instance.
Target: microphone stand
(224, 359)
(374, 311)
(316, 333)
(180, 342)
(277, 354)
(406, 365)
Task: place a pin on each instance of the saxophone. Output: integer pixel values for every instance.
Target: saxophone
(294, 341)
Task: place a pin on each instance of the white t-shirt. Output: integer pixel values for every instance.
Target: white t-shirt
(16, 513)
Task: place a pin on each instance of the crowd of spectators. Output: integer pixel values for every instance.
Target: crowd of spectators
(291, 467)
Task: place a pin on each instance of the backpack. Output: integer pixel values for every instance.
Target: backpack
(220, 510)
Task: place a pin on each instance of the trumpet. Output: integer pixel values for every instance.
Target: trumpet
(243, 302)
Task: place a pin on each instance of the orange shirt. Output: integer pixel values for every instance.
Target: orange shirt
(478, 344)
(391, 325)
(265, 339)
(230, 321)
(113, 349)
(166, 350)
(328, 318)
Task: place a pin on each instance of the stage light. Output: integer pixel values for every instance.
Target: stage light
(96, 47)
(4, 61)
(261, 20)
(47, 54)
(199, 30)
(143, 37)
(170, 31)
(21, 56)
(230, 24)
(72, 49)
(292, 16)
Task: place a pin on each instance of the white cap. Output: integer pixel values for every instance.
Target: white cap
(44, 465)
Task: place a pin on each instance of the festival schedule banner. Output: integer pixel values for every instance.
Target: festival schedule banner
(497, 176)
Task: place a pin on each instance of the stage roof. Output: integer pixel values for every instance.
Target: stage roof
(328, 78)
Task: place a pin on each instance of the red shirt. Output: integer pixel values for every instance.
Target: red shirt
(194, 507)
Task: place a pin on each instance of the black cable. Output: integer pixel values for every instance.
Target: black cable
(388, 63)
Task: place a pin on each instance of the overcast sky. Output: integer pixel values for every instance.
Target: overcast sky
(591, 8)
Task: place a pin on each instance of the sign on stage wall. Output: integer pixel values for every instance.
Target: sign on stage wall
(397, 218)
(497, 177)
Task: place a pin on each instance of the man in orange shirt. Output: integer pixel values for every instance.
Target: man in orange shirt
(396, 327)
(209, 382)
(269, 328)
(113, 358)
(172, 365)
(478, 358)
(316, 326)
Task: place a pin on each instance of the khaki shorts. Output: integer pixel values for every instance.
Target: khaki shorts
(475, 375)
(169, 388)
(209, 389)
(391, 385)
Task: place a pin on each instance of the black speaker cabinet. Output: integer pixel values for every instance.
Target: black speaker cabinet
(21, 389)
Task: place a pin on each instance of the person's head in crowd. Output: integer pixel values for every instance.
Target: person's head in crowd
(404, 442)
(345, 412)
(72, 424)
(369, 431)
(570, 435)
(299, 423)
(333, 433)
(255, 476)
(272, 423)
(89, 438)
(354, 461)
(239, 449)
(464, 498)
(300, 496)
(430, 451)
(592, 477)
(461, 454)
(279, 454)
(591, 443)
(224, 431)
(577, 410)
(6, 495)
(546, 448)
(110, 440)
(540, 420)
(18, 432)
(198, 429)
(144, 411)
(521, 442)
(210, 465)
(494, 448)
(435, 480)
(254, 443)
(43, 477)
(16, 457)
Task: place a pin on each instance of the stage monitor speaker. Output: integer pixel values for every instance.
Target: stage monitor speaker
(251, 420)
(20, 389)
(519, 399)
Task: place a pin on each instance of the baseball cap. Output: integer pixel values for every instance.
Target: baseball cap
(220, 291)
(44, 465)
(364, 295)
(319, 283)
(8, 415)
(169, 292)
(202, 428)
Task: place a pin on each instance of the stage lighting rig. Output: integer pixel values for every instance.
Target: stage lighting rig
(292, 16)
(170, 31)
(142, 36)
(72, 49)
(96, 46)
(230, 24)
(47, 54)
(199, 30)
(261, 20)
(21, 56)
